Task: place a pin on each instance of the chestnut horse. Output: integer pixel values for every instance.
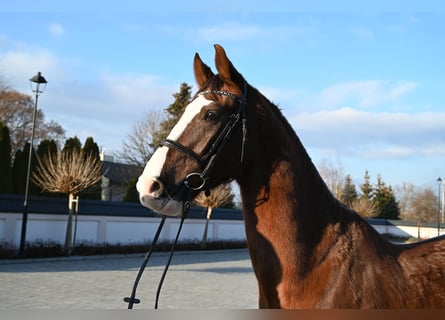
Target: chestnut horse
(307, 249)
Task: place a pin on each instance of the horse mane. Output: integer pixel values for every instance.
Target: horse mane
(294, 139)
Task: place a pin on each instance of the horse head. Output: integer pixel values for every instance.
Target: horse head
(206, 146)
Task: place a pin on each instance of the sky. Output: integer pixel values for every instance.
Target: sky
(363, 85)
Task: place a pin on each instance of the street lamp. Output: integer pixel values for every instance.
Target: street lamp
(439, 206)
(38, 85)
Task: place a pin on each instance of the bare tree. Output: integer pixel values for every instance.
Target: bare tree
(138, 145)
(423, 207)
(405, 195)
(417, 204)
(219, 196)
(67, 172)
(16, 111)
(333, 176)
(364, 207)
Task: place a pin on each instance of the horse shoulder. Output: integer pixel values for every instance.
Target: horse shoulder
(364, 271)
(424, 267)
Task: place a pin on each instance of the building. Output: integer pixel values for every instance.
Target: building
(115, 178)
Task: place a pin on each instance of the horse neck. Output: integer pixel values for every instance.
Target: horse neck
(287, 206)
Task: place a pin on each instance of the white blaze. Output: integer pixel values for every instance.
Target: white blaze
(155, 164)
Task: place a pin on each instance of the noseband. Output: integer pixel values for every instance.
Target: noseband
(198, 180)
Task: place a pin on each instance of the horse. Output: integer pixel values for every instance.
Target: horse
(307, 249)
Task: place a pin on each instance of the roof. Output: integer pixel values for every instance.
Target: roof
(120, 173)
(10, 203)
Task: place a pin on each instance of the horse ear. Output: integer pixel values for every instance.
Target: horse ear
(226, 70)
(202, 72)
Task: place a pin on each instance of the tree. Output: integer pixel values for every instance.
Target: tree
(91, 149)
(16, 112)
(173, 113)
(154, 127)
(424, 207)
(47, 146)
(366, 208)
(72, 144)
(220, 196)
(349, 193)
(19, 173)
(68, 172)
(425, 204)
(132, 195)
(333, 176)
(20, 169)
(419, 204)
(386, 201)
(139, 145)
(5, 160)
(405, 194)
(44, 148)
(366, 187)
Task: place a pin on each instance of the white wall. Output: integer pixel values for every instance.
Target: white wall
(113, 229)
(96, 230)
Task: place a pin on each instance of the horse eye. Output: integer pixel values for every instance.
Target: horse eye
(210, 115)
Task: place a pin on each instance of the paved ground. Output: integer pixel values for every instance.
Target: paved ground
(220, 279)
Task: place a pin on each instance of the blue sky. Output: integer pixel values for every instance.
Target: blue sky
(361, 85)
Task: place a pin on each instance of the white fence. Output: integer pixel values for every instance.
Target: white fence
(97, 230)
(102, 222)
(404, 229)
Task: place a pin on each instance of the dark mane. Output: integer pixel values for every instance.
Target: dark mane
(304, 156)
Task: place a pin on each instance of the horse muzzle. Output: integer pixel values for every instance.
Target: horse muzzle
(152, 194)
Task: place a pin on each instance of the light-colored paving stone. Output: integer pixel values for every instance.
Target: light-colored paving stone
(221, 279)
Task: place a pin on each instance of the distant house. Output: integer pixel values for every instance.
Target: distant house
(115, 178)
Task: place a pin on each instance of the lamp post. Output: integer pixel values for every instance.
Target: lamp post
(439, 204)
(38, 85)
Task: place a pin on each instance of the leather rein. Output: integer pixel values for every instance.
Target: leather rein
(194, 181)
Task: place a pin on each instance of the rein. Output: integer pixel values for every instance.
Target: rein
(132, 299)
(194, 181)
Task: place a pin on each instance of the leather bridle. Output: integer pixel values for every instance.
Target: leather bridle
(199, 180)
(194, 181)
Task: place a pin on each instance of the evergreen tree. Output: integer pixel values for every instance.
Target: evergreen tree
(173, 112)
(366, 187)
(385, 200)
(47, 147)
(5, 160)
(349, 193)
(20, 169)
(19, 173)
(72, 144)
(91, 148)
(132, 195)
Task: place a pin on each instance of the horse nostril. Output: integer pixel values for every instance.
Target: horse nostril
(156, 188)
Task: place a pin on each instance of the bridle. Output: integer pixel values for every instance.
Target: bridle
(199, 180)
(195, 181)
